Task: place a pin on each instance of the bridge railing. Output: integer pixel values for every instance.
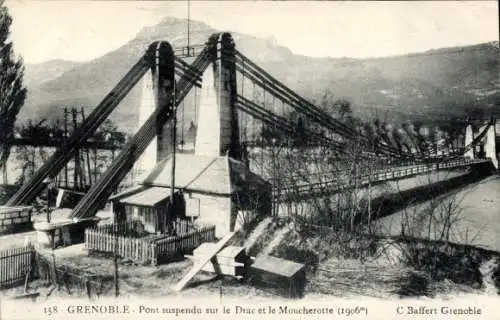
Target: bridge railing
(333, 184)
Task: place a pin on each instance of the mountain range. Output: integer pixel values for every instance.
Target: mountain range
(437, 84)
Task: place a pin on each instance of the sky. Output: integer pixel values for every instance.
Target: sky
(84, 30)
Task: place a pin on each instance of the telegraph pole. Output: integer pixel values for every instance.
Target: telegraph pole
(174, 146)
(115, 255)
(189, 20)
(65, 138)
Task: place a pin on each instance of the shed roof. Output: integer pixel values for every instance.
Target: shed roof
(277, 266)
(203, 173)
(147, 197)
(127, 192)
(213, 174)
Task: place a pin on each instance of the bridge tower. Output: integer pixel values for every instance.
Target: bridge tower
(490, 145)
(217, 127)
(218, 132)
(469, 137)
(148, 159)
(152, 98)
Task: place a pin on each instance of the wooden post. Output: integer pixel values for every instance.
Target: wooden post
(87, 151)
(77, 154)
(154, 258)
(370, 200)
(54, 271)
(87, 287)
(95, 165)
(115, 257)
(174, 148)
(65, 138)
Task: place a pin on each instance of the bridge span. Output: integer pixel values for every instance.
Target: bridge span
(237, 105)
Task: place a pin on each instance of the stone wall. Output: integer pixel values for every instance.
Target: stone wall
(14, 218)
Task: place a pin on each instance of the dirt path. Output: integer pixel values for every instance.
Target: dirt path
(17, 240)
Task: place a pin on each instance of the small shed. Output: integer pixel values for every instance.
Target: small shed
(286, 277)
(148, 205)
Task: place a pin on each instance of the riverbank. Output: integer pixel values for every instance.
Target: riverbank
(476, 216)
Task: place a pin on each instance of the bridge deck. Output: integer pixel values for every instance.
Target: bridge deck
(332, 185)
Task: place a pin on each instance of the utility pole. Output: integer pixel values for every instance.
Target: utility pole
(174, 147)
(65, 138)
(115, 255)
(77, 153)
(188, 23)
(370, 196)
(87, 151)
(48, 186)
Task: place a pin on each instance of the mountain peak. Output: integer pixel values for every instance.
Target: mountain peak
(173, 28)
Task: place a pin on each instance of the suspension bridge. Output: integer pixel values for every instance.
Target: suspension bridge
(246, 114)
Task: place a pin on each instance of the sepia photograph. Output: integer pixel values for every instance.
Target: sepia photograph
(249, 159)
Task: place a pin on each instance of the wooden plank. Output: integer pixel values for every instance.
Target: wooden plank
(197, 267)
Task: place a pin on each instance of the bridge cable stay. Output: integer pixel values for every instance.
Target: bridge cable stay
(263, 79)
(102, 189)
(475, 141)
(184, 69)
(261, 114)
(290, 129)
(288, 126)
(28, 192)
(269, 82)
(461, 151)
(332, 181)
(252, 107)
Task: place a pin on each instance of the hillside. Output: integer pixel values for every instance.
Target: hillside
(446, 82)
(35, 74)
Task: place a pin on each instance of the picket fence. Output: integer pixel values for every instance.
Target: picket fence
(150, 249)
(168, 248)
(15, 263)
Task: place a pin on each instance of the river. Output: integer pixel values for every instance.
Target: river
(476, 209)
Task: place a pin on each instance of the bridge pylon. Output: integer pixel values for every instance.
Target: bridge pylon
(490, 145)
(218, 132)
(147, 106)
(469, 137)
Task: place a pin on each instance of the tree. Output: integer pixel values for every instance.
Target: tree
(12, 91)
(343, 109)
(340, 108)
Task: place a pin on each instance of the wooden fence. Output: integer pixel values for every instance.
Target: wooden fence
(15, 263)
(131, 228)
(136, 249)
(167, 248)
(149, 249)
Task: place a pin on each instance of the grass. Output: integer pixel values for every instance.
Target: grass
(337, 264)
(331, 271)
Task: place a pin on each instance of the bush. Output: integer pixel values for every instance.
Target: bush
(445, 261)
